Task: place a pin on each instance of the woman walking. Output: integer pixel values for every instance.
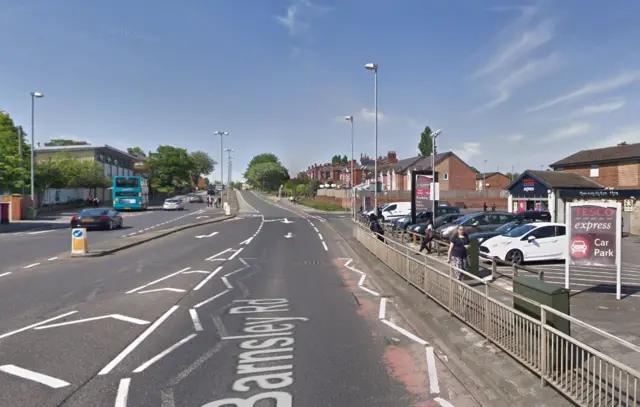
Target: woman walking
(458, 247)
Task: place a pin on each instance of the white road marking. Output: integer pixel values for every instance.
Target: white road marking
(39, 232)
(197, 272)
(320, 236)
(405, 332)
(123, 393)
(215, 256)
(113, 316)
(246, 242)
(312, 225)
(53, 258)
(226, 282)
(210, 299)
(254, 336)
(207, 278)
(195, 319)
(34, 376)
(361, 281)
(369, 291)
(316, 229)
(31, 265)
(288, 235)
(158, 280)
(434, 386)
(209, 235)
(236, 253)
(383, 308)
(325, 246)
(443, 402)
(155, 290)
(5, 274)
(133, 345)
(164, 353)
(26, 328)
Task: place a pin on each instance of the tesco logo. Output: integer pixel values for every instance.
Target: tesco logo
(595, 211)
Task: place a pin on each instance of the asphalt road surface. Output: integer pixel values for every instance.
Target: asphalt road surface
(258, 308)
(23, 249)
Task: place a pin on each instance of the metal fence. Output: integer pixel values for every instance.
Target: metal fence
(582, 373)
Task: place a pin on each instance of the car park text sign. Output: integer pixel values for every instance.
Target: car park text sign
(593, 237)
(423, 192)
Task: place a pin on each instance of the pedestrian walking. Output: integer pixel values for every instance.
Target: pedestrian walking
(493, 207)
(376, 228)
(484, 206)
(96, 202)
(458, 252)
(428, 238)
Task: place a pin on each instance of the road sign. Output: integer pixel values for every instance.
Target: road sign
(79, 241)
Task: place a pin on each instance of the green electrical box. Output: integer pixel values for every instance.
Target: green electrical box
(551, 295)
(473, 257)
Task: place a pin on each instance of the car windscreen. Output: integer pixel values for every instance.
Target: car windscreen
(464, 218)
(94, 212)
(171, 201)
(519, 231)
(508, 226)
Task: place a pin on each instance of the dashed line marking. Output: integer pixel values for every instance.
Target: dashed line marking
(53, 258)
(31, 265)
(34, 376)
(326, 249)
(5, 274)
(443, 402)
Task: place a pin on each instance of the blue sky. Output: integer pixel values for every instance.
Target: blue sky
(514, 83)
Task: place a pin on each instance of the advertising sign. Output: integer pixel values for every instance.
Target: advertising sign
(423, 192)
(593, 237)
(424, 189)
(522, 206)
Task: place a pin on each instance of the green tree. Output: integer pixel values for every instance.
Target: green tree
(136, 151)
(265, 171)
(202, 164)
(426, 142)
(14, 168)
(206, 181)
(264, 158)
(171, 168)
(90, 175)
(60, 171)
(301, 189)
(345, 159)
(60, 142)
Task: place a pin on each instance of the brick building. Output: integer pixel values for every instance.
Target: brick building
(340, 174)
(492, 180)
(613, 167)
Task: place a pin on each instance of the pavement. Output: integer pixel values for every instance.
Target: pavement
(270, 305)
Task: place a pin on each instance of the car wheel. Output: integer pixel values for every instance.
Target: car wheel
(515, 257)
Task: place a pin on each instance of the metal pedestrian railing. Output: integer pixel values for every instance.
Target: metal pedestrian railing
(582, 373)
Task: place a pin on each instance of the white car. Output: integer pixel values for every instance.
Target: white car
(173, 205)
(530, 242)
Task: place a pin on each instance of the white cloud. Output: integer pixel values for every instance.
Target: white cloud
(512, 137)
(467, 150)
(369, 115)
(299, 14)
(570, 131)
(591, 89)
(628, 134)
(605, 107)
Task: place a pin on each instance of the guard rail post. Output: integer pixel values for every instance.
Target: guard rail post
(487, 314)
(543, 346)
(450, 289)
(514, 268)
(494, 268)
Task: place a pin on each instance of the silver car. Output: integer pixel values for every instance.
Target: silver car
(476, 223)
(173, 205)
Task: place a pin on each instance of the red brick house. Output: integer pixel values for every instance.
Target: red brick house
(492, 180)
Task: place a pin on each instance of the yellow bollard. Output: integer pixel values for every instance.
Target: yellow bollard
(79, 241)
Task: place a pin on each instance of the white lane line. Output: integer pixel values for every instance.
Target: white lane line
(434, 386)
(361, 281)
(114, 316)
(246, 242)
(155, 290)
(5, 274)
(443, 402)
(226, 282)
(196, 319)
(39, 232)
(197, 272)
(214, 257)
(320, 236)
(210, 299)
(369, 291)
(53, 258)
(34, 376)
(312, 225)
(123, 393)
(164, 353)
(325, 246)
(316, 229)
(405, 332)
(383, 308)
(207, 278)
(236, 253)
(158, 280)
(109, 367)
(31, 265)
(26, 328)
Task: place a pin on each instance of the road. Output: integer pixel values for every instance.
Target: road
(19, 250)
(270, 305)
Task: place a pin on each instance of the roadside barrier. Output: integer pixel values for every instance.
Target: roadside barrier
(580, 372)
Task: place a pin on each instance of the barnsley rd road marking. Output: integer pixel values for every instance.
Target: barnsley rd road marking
(207, 278)
(123, 393)
(158, 280)
(164, 353)
(34, 376)
(133, 345)
(195, 319)
(26, 328)
(155, 290)
(114, 316)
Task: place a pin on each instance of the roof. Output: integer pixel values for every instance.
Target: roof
(620, 152)
(483, 175)
(417, 162)
(56, 149)
(558, 179)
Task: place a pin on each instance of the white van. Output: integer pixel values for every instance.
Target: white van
(395, 210)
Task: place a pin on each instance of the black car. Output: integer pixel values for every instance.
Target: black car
(97, 218)
(539, 216)
(484, 236)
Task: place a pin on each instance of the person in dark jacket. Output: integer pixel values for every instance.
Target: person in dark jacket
(375, 227)
(458, 251)
(428, 237)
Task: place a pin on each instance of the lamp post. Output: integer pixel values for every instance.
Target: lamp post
(484, 178)
(374, 67)
(34, 96)
(434, 136)
(229, 151)
(221, 134)
(353, 191)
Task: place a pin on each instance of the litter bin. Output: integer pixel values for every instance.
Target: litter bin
(32, 213)
(473, 257)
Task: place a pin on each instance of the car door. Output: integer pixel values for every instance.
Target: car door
(539, 243)
(560, 244)
(478, 223)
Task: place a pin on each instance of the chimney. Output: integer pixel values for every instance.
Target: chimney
(391, 155)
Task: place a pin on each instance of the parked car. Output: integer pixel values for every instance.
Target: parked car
(395, 210)
(173, 204)
(482, 237)
(476, 222)
(535, 241)
(195, 198)
(440, 220)
(403, 222)
(97, 218)
(543, 216)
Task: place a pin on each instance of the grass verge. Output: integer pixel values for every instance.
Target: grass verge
(321, 206)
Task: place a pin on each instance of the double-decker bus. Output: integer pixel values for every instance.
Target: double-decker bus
(130, 193)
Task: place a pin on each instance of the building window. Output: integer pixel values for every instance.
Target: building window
(594, 171)
(446, 176)
(101, 157)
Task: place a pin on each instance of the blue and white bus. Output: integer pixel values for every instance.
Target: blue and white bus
(130, 193)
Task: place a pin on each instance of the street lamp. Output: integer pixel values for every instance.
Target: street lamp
(434, 136)
(34, 96)
(484, 178)
(229, 151)
(353, 191)
(221, 134)
(374, 67)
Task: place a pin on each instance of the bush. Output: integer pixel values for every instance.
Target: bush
(322, 206)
